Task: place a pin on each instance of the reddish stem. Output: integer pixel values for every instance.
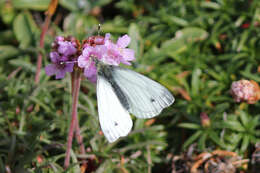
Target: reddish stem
(77, 128)
(79, 138)
(39, 60)
(75, 95)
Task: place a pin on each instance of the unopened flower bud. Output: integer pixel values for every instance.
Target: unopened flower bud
(204, 119)
(17, 110)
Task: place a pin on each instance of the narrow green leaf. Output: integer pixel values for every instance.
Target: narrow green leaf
(136, 41)
(202, 141)
(245, 143)
(244, 118)
(189, 126)
(210, 5)
(213, 135)
(71, 5)
(7, 51)
(22, 63)
(195, 81)
(234, 125)
(23, 29)
(192, 139)
(177, 20)
(31, 4)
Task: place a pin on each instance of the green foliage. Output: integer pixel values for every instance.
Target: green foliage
(196, 48)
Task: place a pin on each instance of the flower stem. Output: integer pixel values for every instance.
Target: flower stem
(75, 94)
(77, 128)
(49, 13)
(39, 59)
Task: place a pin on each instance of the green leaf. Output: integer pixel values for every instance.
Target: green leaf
(189, 126)
(192, 34)
(213, 135)
(7, 13)
(135, 43)
(177, 20)
(24, 29)
(71, 5)
(192, 139)
(31, 4)
(21, 62)
(253, 123)
(252, 76)
(202, 141)
(8, 52)
(234, 125)
(195, 81)
(245, 143)
(80, 25)
(183, 37)
(210, 5)
(244, 118)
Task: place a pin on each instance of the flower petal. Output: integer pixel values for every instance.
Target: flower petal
(54, 57)
(50, 69)
(93, 79)
(128, 54)
(86, 51)
(59, 38)
(60, 73)
(83, 61)
(66, 48)
(90, 71)
(123, 42)
(69, 67)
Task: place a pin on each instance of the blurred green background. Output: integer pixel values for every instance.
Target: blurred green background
(196, 48)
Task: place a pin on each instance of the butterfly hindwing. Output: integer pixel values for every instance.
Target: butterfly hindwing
(114, 119)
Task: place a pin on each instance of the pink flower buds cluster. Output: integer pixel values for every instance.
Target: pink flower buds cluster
(66, 52)
(245, 90)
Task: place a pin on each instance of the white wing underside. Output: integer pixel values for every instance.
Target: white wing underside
(114, 119)
(146, 97)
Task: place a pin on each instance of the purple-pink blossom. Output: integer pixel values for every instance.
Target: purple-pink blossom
(118, 53)
(95, 48)
(62, 57)
(108, 53)
(86, 60)
(59, 66)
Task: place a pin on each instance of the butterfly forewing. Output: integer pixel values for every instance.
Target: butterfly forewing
(146, 98)
(114, 119)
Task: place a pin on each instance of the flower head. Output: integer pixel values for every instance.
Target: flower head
(62, 57)
(104, 50)
(245, 90)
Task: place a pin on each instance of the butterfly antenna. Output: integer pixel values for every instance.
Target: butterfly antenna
(99, 29)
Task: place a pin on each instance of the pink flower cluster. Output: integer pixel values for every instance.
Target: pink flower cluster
(64, 50)
(108, 53)
(245, 90)
(99, 48)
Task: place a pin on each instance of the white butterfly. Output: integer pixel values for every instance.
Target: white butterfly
(122, 91)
